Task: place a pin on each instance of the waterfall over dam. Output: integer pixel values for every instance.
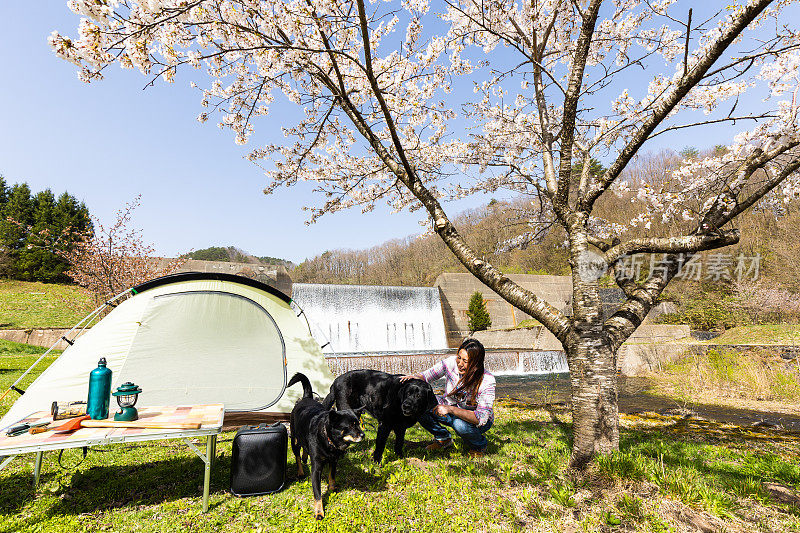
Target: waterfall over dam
(366, 319)
(499, 362)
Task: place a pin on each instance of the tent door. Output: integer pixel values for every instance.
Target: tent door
(200, 347)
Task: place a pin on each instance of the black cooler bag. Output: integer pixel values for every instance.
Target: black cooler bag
(258, 461)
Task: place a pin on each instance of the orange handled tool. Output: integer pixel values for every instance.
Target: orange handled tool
(86, 422)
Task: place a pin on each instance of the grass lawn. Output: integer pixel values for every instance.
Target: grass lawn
(669, 473)
(763, 334)
(26, 305)
(15, 359)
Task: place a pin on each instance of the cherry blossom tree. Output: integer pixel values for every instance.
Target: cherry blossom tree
(114, 258)
(386, 114)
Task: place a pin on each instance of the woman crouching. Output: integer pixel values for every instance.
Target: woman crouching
(466, 405)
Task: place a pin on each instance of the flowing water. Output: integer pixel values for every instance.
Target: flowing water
(399, 330)
(357, 319)
(500, 362)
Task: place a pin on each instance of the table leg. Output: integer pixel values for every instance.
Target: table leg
(211, 444)
(5, 460)
(37, 468)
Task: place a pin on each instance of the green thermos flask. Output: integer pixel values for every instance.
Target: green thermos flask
(99, 391)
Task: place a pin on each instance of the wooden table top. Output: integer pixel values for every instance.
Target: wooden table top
(209, 416)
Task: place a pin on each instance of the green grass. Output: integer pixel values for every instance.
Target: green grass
(762, 334)
(724, 373)
(15, 358)
(522, 484)
(25, 305)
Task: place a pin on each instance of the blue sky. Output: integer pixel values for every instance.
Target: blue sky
(108, 141)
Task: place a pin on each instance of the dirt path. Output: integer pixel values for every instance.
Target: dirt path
(633, 398)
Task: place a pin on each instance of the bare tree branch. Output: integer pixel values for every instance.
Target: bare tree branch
(671, 245)
(666, 104)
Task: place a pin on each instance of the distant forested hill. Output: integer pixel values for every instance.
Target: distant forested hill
(517, 237)
(235, 255)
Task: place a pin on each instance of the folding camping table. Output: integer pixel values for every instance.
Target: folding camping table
(209, 416)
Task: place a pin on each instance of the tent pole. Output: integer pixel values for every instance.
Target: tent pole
(87, 319)
(310, 331)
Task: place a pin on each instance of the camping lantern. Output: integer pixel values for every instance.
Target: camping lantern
(126, 394)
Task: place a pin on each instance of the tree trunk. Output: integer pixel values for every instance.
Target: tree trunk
(592, 362)
(593, 374)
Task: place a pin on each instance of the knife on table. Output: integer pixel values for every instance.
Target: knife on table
(23, 428)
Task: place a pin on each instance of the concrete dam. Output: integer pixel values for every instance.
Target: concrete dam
(357, 319)
(397, 330)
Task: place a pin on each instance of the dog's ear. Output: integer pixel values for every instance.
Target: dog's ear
(403, 387)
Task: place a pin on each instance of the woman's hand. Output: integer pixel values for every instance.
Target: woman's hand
(410, 376)
(442, 410)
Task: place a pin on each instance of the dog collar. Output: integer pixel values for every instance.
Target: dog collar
(330, 442)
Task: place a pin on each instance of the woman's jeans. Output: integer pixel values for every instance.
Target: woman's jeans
(472, 434)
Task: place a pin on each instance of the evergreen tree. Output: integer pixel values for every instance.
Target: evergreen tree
(6, 262)
(15, 216)
(3, 192)
(477, 313)
(34, 229)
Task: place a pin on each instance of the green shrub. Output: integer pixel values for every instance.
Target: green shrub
(562, 494)
(785, 386)
(710, 311)
(723, 363)
(631, 506)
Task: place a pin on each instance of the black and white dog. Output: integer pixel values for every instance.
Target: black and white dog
(395, 405)
(321, 434)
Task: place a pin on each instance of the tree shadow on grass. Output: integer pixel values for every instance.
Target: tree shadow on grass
(543, 434)
(741, 416)
(531, 432)
(99, 488)
(349, 475)
(15, 491)
(685, 449)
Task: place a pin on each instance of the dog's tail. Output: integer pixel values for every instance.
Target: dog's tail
(327, 403)
(300, 377)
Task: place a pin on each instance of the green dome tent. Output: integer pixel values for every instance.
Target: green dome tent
(191, 338)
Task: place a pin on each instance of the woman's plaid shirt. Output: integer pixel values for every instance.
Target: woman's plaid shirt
(448, 369)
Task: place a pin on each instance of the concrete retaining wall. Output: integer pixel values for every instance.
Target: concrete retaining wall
(498, 361)
(650, 347)
(639, 359)
(457, 288)
(273, 275)
(536, 338)
(539, 338)
(36, 337)
(786, 351)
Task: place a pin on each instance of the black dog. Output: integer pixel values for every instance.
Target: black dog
(323, 435)
(395, 405)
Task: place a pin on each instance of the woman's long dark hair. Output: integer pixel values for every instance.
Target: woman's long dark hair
(472, 378)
